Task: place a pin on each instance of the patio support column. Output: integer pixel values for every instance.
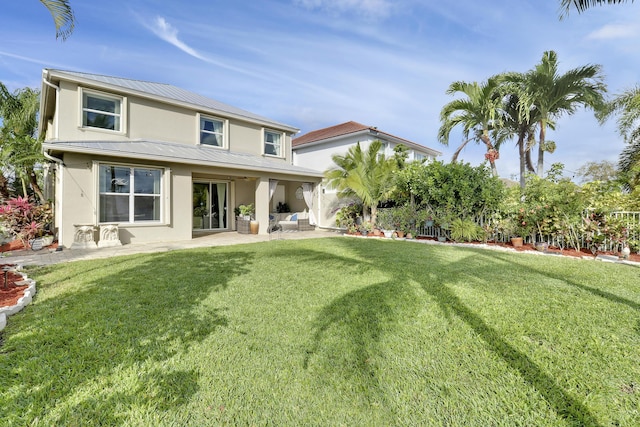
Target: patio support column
(262, 204)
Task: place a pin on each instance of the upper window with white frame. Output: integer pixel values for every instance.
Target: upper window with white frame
(273, 143)
(212, 132)
(102, 111)
(130, 194)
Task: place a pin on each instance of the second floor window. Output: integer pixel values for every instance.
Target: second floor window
(211, 132)
(272, 143)
(101, 111)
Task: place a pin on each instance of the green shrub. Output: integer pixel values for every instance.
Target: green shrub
(465, 230)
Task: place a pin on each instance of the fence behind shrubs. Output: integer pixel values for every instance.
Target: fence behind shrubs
(610, 234)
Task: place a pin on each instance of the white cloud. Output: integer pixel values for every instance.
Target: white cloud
(168, 33)
(615, 31)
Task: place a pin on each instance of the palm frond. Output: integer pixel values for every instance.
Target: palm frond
(62, 15)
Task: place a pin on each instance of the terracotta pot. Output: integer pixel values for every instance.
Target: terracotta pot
(517, 242)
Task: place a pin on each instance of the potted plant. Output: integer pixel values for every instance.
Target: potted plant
(282, 208)
(366, 227)
(385, 222)
(246, 211)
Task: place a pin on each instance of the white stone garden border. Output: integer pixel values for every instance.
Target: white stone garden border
(5, 312)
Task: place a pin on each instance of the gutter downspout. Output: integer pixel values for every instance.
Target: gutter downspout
(59, 162)
(57, 206)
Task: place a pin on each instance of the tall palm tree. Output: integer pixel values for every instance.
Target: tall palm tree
(365, 174)
(627, 107)
(478, 113)
(63, 16)
(519, 124)
(553, 95)
(21, 150)
(582, 5)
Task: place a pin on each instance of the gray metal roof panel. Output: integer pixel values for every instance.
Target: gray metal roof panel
(180, 153)
(172, 93)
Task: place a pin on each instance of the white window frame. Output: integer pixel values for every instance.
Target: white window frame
(122, 115)
(163, 197)
(280, 154)
(225, 130)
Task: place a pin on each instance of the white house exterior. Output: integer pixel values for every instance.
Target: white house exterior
(314, 150)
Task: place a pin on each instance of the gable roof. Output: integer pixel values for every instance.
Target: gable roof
(330, 132)
(163, 92)
(352, 128)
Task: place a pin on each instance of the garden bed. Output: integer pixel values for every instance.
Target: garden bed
(528, 247)
(10, 294)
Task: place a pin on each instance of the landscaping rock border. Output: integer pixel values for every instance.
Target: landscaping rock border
(5, 312)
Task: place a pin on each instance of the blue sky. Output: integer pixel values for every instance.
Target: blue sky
(317, 63)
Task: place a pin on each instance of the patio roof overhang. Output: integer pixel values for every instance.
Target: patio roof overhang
(145, 150)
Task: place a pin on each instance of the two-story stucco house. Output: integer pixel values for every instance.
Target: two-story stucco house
(315, 149)
(161, 162)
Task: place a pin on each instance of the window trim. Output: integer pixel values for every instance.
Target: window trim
(225, 131)
(164, 196)
(281, 154)
(98, 94)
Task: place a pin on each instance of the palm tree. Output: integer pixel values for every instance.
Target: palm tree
(553, 95)
(627, 106)
(582, 5)
(478, 114)
(519, 124)
(63, 17)
(21, 150)
(365, 174)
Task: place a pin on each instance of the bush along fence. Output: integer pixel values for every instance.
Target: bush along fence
(593, 230)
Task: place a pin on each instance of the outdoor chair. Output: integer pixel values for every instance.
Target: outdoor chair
(274, 227)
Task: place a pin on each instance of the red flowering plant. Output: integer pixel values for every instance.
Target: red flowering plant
(23, 220)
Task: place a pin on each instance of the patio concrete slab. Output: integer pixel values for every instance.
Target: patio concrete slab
(52, 256)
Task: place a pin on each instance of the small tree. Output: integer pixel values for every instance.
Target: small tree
(363, 173)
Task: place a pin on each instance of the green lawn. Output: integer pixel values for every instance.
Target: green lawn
(338, 331)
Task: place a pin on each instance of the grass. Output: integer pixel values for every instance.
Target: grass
(326, 332)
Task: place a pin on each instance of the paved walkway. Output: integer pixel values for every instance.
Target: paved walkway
(51, 256)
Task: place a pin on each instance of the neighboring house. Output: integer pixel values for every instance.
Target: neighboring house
(161, 162)
(315, 149)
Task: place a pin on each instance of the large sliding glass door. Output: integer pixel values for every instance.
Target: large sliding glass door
(210, 202)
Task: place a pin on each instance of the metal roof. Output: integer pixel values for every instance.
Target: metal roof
(166, 92)
(181, 153)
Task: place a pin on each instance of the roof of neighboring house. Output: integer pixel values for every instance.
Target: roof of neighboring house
(180, 153)
(163, 92)
(352, 128)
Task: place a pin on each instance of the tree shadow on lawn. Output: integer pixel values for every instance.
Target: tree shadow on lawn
(348, 328)
(141, 312)
(590, 289)
(363, 312)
